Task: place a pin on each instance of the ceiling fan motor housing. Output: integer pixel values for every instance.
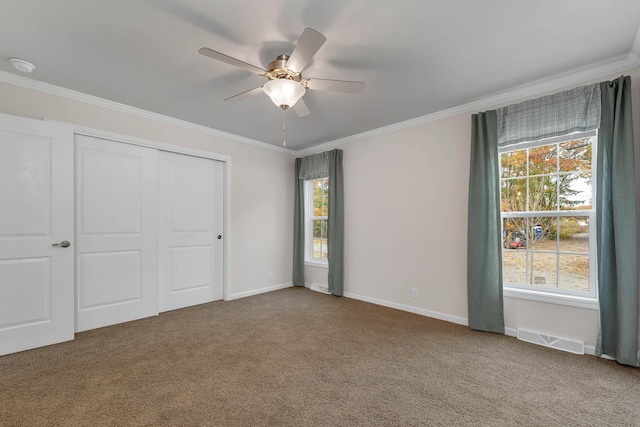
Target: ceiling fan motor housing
(278, 70)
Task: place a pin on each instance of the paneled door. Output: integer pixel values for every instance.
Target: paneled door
(36, 234)
(191, 240)
(116, 232)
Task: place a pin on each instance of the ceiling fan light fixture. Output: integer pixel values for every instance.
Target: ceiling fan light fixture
(284, 92)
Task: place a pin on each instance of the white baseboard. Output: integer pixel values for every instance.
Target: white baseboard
(258, 291)
(590, 350)
(512, 332)
(411, 309)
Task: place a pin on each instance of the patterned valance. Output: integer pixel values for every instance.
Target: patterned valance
(315, 166)
(553, 115)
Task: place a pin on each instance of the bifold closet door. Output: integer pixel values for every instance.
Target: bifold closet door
(191, 240)
(116, 232)
(36, 234)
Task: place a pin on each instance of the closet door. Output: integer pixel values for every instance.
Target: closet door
(116, 232)
(36, 215)
(191, 241)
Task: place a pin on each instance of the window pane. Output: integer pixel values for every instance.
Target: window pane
(575, 156)
(325, 196)
(514, 195)
(514, 234)
(543, 160)
(320, 197)
(574, 272)
(574, 234)
(320, 239)
(504, 165)
(514, 266)
(324, 239)
(575, 191)
(542, 233)
(319, 209)
(318, 229)
(543, 194)
(542, 269)
(513, 164)
(504, 206)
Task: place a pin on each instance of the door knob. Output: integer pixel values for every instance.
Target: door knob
(64, 244)
(219, 237)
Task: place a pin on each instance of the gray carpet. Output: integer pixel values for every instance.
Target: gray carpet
(300, 358)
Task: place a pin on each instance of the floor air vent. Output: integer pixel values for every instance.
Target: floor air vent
(564, 344)
(320, 288)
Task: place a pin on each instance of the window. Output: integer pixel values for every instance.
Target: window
(317, 214)
(548, 215)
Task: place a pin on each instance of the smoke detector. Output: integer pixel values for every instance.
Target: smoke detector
(22, 65)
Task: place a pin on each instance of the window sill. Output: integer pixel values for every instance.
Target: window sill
(569, 300)
(321, 264)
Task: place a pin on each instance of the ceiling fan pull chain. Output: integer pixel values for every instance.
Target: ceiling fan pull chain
(284, 128)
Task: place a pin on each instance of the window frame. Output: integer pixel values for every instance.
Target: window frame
(555, 295)
(308, 227)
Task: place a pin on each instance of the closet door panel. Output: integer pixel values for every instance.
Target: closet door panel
(190, 222)
(117, 232)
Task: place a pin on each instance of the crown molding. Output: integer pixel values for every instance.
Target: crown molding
(619, 64)
(73, 95)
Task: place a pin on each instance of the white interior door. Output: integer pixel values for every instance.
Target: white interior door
(191, 244)
(116, 232)
(36, 212)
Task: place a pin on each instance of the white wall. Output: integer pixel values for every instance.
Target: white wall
(405, 216)
(406, 226)
(261, 181)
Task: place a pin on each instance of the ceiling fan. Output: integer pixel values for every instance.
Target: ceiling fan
(285, 85)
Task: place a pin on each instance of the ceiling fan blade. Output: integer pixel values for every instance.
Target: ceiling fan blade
(335, 85)
(231, 61)
(244, 95)
(308, 44)
(301, 108)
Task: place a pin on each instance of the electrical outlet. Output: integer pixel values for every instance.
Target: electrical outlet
(414, 293)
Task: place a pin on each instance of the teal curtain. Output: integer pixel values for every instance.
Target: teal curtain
(335, 228)
(616, 220)
(298, 228)
(317, 166)
(484, 249)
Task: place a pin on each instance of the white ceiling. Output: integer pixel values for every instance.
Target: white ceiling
(416, 57)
